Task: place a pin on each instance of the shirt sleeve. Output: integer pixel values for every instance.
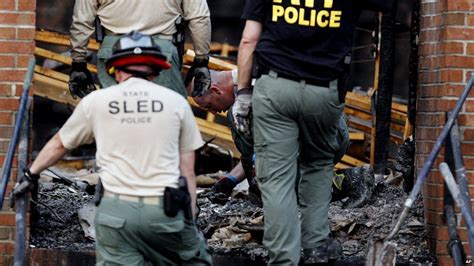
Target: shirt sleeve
(255, 10)
(196, 12)
(78, 128)
(189, 138)
(82, 27)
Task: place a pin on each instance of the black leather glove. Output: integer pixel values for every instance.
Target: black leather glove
(225, 186)
(202, 77)
(80, 80)
(24, 185)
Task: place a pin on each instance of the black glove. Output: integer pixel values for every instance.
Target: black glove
(202, 77)
(26, 184)
(224, 186)
(80, 80)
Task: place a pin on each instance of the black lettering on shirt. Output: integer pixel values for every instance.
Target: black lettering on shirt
(113, 107)
(142, 106)
(157, 106)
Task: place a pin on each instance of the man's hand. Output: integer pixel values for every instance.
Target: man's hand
(202, 77)
(241, 111)
(80, 80)
(26, 184)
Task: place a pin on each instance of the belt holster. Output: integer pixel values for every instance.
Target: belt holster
(176, 199)
(99, 193)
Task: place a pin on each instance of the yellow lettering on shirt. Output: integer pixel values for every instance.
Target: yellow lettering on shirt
(335, 21)
(291, 15)
(307, 15)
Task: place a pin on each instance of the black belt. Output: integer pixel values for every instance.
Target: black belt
(313, 82)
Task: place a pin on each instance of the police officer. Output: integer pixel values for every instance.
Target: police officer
(301, 48)
(146, 136)
(155, 18)
(220, 97)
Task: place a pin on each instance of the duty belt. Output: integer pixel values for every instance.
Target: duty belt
(152, 200)
(313, 82)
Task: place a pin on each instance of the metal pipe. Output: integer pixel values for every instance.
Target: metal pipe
(460, 171)
(22, 200)
(431, 158)
(455, 247)
(458, 198)
(7, 163)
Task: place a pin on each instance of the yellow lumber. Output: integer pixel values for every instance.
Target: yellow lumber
(352, 161)
(354, 136)
(60, 58)
(60, 39)
(214, 63)
(53, 89)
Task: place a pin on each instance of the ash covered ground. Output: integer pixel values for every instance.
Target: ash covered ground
(235, 228)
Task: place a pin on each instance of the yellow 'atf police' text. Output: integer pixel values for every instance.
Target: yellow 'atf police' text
(306, 15)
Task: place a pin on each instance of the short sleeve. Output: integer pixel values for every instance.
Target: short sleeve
(255, 10)
(190, 138)
(78, 128)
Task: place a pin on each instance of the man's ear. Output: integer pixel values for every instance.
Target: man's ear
(215, 89)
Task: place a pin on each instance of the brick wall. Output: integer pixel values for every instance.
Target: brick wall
(17, 31)
(446, 60)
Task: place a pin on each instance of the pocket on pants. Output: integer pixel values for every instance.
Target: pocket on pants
(260, 162)
(108, 229)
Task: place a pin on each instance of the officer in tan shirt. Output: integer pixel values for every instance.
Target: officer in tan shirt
(146, 136)
(151, 17)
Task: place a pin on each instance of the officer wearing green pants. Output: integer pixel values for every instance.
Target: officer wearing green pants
(146, 137)
(156, 18)
(302, 51)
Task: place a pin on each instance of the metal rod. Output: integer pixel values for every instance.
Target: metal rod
(22, 200)
(458, 198)
(431, 158)
(7, 163)
(454, 245)
(460, 171)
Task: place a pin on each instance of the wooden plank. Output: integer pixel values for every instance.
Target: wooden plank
(60, 58)
(352, 161)
(341, 166)
(53, 89)
(214, 63)
(51, 73)
(61, 39)
(356, 136)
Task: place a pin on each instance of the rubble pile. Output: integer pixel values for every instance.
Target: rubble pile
(235, 228)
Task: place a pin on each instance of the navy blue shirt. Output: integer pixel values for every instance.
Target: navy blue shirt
(307, 39)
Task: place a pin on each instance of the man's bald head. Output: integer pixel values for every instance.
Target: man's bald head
(220, 97)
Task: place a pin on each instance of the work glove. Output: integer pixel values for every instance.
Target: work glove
(222, 190)
(202, 77)
(242, 111)
(26, 183)
(80, 80)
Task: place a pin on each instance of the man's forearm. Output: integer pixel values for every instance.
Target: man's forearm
(250, 37)
(200, 29)
(52, 152)
(186, 168)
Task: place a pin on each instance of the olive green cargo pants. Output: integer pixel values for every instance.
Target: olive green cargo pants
(170, 78)
(294, 121)
(134, 233)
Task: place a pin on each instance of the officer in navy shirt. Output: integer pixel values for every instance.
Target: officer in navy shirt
(302, 50)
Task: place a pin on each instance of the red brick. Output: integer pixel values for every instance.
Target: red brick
(6, 118)
(466, 119)
(460, 5)
(19, 47)
(7, 218)
(17, 18)
(5, 89)
(27, 5)
(457, 61)
(434, 218)
(455, 19)
(7, 33)
(5, 233)
(7, 61)
(9, 104)
(431, 8)
(433, 204)
(26, 33)
(433, 190)
(12, 75)
(451, 47)
(7, 5)
(430, 119)
(440, 90)
(458, 33)
(428, 22)
(23, 60)
(427, 133)
(435, 105)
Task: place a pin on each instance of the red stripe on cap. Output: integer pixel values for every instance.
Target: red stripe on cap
(139, 60)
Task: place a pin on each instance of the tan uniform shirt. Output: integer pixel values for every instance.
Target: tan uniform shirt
(140, 129)
(150, 17)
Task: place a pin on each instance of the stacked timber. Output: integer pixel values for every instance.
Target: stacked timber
(53, 85)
